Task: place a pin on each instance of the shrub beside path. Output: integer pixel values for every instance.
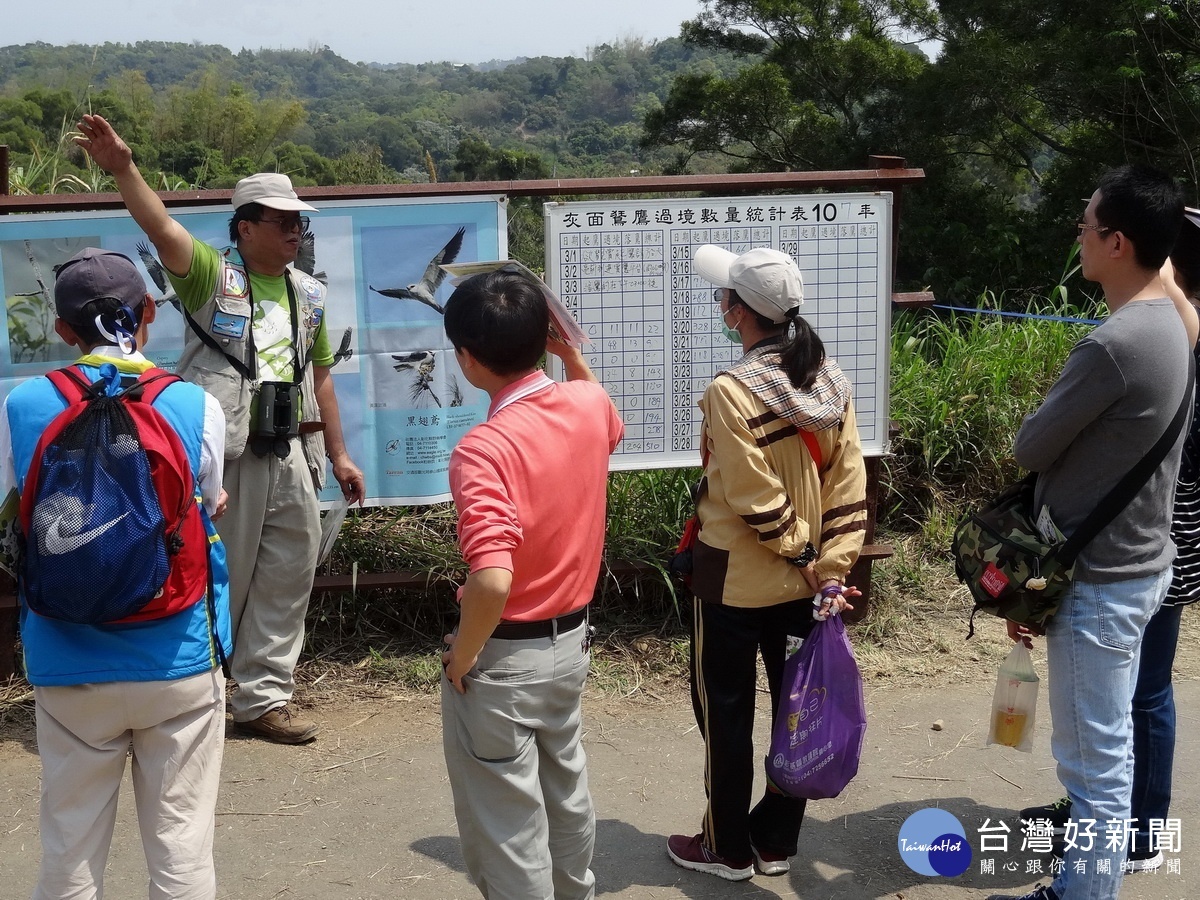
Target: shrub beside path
(365, 812)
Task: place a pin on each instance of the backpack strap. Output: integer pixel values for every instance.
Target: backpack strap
(71, 383)
(74, 386)
(150, 384)
(211, 600)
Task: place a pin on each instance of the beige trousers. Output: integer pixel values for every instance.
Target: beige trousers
(271, 531)
(175, 732)
(518, 771)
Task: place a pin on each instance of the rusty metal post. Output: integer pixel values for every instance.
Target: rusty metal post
(3, 171)
(892, 162)
(860, 574)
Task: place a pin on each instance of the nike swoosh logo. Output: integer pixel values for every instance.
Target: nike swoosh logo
(54, 542)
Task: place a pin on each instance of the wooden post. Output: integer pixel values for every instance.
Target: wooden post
(8, 641)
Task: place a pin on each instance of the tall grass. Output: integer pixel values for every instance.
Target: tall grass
(646, 511)
(960, 386)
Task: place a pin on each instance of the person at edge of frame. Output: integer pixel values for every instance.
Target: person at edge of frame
(780, 530)
(529, 484)
(256, 340)
(151, 691)
(1115, 397)
(1153, 706)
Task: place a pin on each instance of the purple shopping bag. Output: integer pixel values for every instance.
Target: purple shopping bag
(818, 734)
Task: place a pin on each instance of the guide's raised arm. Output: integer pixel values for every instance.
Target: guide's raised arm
(113, 155)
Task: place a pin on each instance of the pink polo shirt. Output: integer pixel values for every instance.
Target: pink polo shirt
(530, 488)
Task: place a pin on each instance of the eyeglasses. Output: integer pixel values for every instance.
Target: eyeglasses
(289, 224)
(718, 295)
(1100, 230)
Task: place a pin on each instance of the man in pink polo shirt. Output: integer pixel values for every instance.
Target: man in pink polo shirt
(529, 485)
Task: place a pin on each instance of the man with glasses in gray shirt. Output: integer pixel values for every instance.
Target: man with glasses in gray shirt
(1116, 396)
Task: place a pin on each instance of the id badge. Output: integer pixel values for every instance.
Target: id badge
(229, 325)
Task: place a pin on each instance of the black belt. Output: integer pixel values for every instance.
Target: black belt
(524, 631)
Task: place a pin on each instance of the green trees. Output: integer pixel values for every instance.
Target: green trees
(818, 79)
(1011, 108)
(1062, 90)
(1020, 108)
(205, 115)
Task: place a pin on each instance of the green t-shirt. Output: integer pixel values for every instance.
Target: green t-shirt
(272, 327)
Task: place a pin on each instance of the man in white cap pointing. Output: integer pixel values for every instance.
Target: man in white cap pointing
(257, 342)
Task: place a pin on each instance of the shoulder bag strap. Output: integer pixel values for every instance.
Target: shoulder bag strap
(810, 441)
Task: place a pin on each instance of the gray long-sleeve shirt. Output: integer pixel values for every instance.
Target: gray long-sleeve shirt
(1117, 393)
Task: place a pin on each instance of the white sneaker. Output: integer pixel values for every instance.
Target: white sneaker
(770, 864)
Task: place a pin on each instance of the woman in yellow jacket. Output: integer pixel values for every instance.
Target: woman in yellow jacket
(783, 515)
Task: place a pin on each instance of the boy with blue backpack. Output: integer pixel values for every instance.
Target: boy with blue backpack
(110, 472)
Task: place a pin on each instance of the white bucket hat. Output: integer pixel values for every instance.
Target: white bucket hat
(269, 189)
(768, 281)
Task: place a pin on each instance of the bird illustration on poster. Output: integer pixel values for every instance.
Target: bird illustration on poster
(424, 290)
(158, 275)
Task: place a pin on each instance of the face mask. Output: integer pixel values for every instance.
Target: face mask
(732, 333)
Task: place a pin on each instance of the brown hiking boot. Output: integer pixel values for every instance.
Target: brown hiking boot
(280, 725)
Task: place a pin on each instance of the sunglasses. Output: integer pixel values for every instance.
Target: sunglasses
(289, 224)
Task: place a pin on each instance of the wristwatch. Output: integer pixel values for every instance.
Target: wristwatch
(806, 557)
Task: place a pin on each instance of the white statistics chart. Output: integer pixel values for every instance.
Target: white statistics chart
(624, 269)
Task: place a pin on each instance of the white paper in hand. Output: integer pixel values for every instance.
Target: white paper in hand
(331, 526)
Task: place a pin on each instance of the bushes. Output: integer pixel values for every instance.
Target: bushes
(961, 384)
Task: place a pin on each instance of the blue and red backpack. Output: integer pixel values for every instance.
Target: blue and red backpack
(112, 525)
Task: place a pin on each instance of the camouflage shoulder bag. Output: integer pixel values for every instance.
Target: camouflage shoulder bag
(1011, 570)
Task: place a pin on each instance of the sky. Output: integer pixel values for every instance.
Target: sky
(384, 31)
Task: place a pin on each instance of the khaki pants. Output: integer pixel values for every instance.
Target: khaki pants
(518, 771)
(176, 730)
(271, 531)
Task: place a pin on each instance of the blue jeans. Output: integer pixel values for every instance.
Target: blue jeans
(1092, 646)
(1154, 725)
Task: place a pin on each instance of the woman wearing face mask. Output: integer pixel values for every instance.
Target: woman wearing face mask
(782, 511)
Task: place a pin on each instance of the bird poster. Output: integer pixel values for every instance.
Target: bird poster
(404, 403)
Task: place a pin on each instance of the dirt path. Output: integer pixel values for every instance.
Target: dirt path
(365, 811)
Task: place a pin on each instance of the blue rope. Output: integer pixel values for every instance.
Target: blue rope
(1017, 315)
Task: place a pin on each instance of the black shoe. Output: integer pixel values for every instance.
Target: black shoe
(1041, 892)
(1143, 862)
(1056, 813)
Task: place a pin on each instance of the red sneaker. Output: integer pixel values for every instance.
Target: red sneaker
(691, 853)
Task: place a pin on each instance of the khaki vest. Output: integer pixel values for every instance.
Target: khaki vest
(200, 364)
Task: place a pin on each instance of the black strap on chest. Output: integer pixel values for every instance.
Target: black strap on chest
(250, 373)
